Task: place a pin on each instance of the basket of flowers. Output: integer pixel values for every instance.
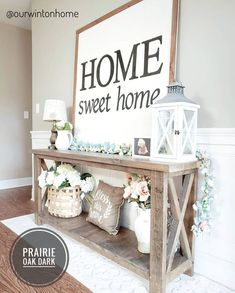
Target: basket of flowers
(65, 190)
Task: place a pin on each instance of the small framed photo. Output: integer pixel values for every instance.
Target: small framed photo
(141, 147)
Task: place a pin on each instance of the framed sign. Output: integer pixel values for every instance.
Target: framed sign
(123, 63)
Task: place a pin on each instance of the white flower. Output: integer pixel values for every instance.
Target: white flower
(50, 178)
(82, 195)
(73, 178)
(144, 197)
(42, 179)
(127, 192)
(134, 195)
(70, 126)
(60, 125)
(205, 171)
(59, 180)
(64, 169)
(134, 191)
(210, 182)
(64, 125)
(195, 207)
(87, 185)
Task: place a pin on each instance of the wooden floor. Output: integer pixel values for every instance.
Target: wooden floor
(14, 203)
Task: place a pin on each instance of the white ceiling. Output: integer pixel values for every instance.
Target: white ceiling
(15, 6)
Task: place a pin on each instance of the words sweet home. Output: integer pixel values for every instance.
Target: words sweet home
(115, 72)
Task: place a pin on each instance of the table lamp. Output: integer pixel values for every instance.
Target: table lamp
(54, 110)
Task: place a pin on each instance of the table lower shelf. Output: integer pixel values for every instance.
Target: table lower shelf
(121, 248)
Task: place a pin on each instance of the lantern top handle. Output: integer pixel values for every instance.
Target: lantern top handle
(175, 95)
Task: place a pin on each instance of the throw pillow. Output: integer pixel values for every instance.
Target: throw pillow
(105, 207)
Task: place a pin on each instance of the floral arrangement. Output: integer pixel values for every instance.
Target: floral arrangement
(138, 190)
(139, 187)
(203, 206)
(63, 125)
(65, 175)
(106, 147)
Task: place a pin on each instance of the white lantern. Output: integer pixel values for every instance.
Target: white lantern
(174, 126)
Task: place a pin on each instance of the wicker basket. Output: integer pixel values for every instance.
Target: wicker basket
(65, 202)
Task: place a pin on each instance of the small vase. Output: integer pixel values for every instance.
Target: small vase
(63, 140)
(142, 230)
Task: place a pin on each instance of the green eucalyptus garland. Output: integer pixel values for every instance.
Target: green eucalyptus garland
(106, 147)
(203, 206)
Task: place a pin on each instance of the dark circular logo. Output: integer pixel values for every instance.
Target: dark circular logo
(39, 257)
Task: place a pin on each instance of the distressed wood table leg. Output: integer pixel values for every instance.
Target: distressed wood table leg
(37, 191)
(158, 246)
(188, 220)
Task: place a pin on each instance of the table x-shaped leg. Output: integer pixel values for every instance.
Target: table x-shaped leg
(177, 231)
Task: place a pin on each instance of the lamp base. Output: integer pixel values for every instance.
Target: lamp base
(52, 147)
(53, 139)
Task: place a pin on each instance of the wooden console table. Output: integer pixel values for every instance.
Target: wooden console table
(164, 262)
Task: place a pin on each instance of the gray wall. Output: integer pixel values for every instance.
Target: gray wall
(205, 55)
(15, 97)
(53, 44)
(206, 58)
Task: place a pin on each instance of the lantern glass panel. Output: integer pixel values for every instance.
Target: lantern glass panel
(165, 132)
(188, 132)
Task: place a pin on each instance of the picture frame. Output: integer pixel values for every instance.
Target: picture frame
(141, 147)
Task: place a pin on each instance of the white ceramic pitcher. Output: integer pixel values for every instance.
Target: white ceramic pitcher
(63, 140)
(142, 230)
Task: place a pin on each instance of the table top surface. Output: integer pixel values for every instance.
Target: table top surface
(114, 160)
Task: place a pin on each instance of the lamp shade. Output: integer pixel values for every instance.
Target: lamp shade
(54, 110)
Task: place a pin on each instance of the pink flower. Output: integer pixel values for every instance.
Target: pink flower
(203, 226)
(142, 190)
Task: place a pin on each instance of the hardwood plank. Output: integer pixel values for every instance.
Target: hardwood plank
(188, 221)
(174, 226)
(174, 34)
(11, 284)
(180, 206)
(15, 202)
(37, 189)
(158, 236)
(44, 165)
(122, 248)
(180, 265)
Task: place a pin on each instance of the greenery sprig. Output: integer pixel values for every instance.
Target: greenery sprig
(106, 147)
(203, 206)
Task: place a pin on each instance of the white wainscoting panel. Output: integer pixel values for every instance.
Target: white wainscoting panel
(215, 252)
(40, 139)
(17, 182)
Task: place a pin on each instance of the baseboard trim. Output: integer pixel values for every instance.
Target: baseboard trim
(13, 183)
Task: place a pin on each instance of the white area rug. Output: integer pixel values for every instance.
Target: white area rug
(101, 275)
